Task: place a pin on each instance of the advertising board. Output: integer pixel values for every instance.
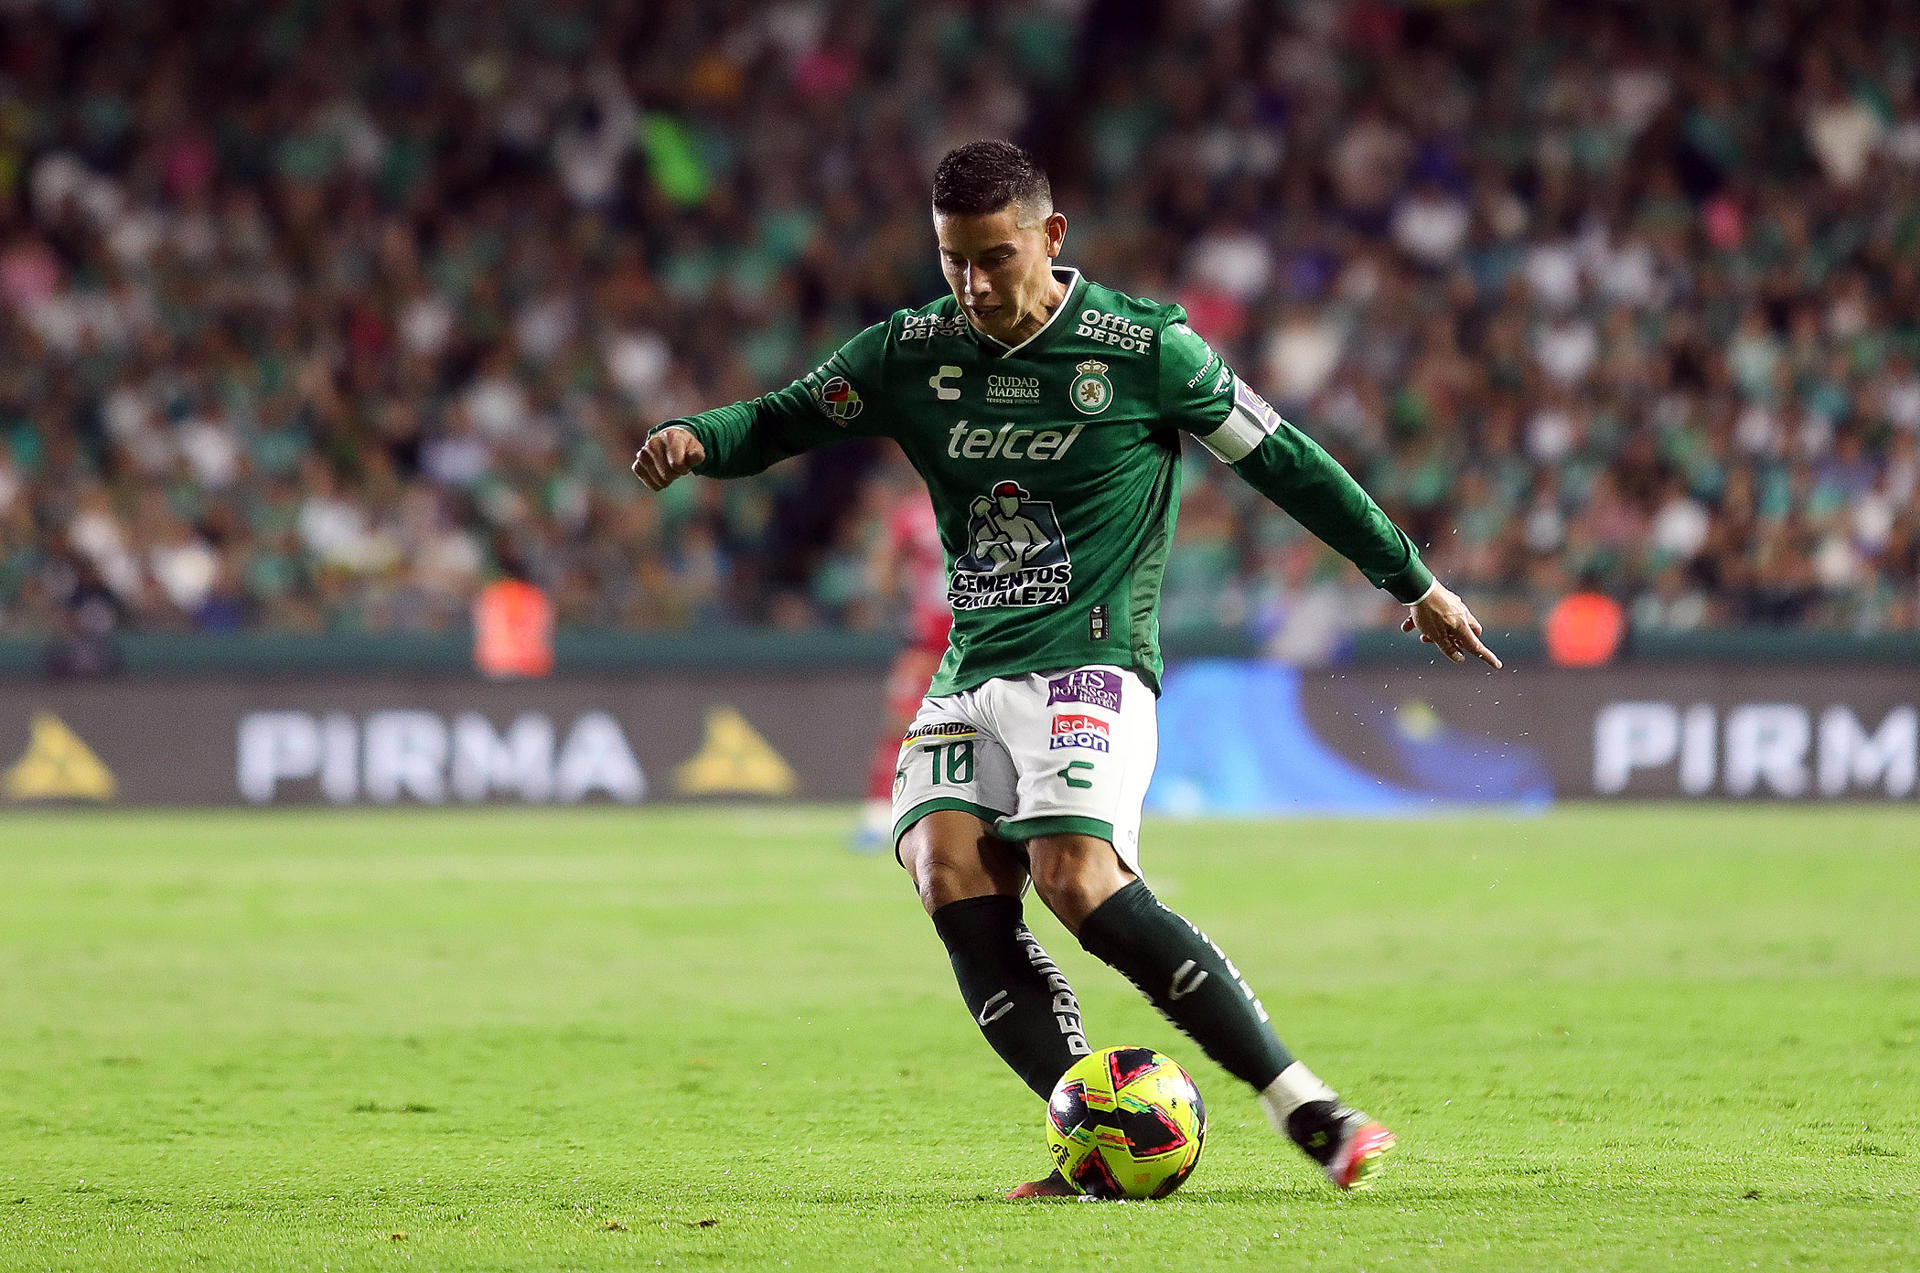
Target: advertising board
(1236, 737)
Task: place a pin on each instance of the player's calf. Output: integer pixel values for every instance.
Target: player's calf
(1019, 999)
(1188, 979)
(1195, 986)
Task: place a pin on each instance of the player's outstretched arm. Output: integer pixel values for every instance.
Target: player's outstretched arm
(668, 455)
(1443, 621)
(1200, 393)
(745, 438)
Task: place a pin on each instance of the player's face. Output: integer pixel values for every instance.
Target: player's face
(1000, 271)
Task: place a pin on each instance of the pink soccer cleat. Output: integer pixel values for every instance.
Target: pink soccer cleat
(1348, 1145)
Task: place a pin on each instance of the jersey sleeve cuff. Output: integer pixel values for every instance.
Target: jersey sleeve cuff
(1411, 586)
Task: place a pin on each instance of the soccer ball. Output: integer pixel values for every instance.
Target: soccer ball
(1126, 1123)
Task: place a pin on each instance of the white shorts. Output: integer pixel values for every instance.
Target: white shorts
(1044, 754)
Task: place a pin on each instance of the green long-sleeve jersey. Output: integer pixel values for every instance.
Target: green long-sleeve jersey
(1054, 468)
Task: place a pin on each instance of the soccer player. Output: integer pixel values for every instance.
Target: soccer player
(1044, 412)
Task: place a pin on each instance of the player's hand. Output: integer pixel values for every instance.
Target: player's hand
(1443, 620)
(668, 455)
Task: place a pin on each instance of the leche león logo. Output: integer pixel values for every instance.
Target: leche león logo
(57, 765)
(1091, 391)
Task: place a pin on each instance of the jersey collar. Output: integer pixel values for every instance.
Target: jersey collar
(1066, 274)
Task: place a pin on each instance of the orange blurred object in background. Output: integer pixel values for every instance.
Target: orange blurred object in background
(1584, 629)
(513, 629)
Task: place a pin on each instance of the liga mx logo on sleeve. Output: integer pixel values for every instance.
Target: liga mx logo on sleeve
(839, 399)
(1016, 554)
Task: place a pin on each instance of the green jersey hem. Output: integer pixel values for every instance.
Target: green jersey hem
(1062, 824)
(947, 683)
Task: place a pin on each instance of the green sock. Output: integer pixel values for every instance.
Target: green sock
(1187, 978)
(1018, 998)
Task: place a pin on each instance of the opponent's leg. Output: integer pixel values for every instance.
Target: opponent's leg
(1194, 985)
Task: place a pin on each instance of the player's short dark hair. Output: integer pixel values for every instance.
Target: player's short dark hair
(985, 176)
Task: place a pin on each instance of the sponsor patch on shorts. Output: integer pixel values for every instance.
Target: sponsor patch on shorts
(939, 731)
(1092, 686)
(1075, 729)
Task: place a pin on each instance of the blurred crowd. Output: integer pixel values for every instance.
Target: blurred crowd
(316, 316)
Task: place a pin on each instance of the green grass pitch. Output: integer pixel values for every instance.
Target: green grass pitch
(713, 1039)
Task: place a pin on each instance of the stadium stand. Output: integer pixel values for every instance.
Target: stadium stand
(316, 320)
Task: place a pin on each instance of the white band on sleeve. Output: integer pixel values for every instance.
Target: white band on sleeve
(1250, 421)
(1428, 593)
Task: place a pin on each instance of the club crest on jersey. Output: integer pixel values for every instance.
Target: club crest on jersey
(1016, 554)
(839, 399)
(1091, 391)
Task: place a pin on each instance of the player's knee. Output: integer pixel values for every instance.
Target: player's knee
(948, 867)
(939, 881)
(1074, 874)
(1064, 888)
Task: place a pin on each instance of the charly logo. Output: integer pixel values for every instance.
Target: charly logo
(839, 399)
(944, 391)
(1091, 391)
(994, 1008)
(1016, 555)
